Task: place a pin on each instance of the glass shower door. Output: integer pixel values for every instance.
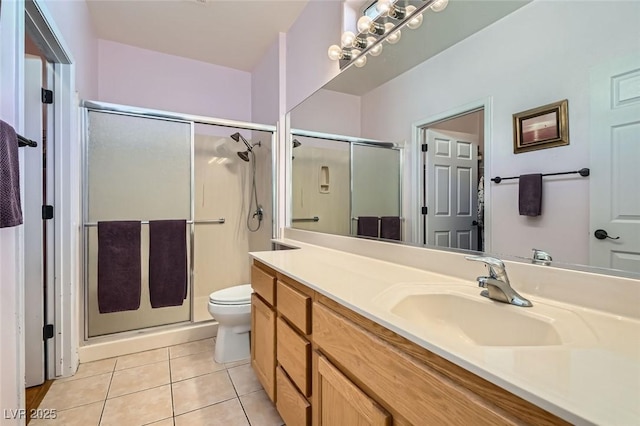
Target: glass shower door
(136, 168)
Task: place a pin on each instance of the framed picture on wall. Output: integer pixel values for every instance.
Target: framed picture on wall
(543, 127)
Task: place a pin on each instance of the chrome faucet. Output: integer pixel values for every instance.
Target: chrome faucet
(541, 257)
(497, 283)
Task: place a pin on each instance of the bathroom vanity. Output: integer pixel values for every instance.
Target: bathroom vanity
(338, 337)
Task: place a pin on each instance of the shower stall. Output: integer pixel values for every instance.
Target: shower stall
(151, 166)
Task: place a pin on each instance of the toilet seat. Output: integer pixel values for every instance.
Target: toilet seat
(236, 295)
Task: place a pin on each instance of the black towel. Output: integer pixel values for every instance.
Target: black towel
(10, 208)
(119, 268)
(390, 228)
(167, 262)
(368, 226)
(530, 195)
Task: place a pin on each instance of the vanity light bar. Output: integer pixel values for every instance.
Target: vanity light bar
(373, 31)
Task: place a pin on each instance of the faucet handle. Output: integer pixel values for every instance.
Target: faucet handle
(541, 257)
(496, 266)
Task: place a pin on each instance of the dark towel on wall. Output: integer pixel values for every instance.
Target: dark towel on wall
(390, 228)
(368, 226)
(530, 195)
(167, 262)
(10, 208)
(119, 269)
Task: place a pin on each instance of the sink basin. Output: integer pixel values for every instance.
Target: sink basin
(484, 324)
(460, 313)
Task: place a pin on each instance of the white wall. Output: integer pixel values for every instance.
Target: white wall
(133, 76)
(540, 54)
(72, 19)
(308, 66)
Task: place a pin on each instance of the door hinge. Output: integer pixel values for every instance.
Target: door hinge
(425, 210)
(47, 96)
(425, 147)
(47, 212)
(47, 332)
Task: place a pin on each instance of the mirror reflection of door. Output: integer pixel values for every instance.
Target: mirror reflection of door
(453, 183)
(615, 150)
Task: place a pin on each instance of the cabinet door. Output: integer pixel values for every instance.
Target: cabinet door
(341, 402)
(263, 344)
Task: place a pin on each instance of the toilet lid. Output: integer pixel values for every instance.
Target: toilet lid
(236, 295)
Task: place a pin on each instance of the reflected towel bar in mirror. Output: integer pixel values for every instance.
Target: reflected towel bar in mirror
(146, 222)
(582, 172)
(306, 219)
(22, 141)
(355, 218)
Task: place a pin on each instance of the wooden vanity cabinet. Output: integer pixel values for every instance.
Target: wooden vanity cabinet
(263, 328)
(325, 365)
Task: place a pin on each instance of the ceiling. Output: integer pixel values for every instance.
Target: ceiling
(230, 33)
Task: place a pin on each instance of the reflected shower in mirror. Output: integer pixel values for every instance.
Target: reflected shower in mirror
(500, 58)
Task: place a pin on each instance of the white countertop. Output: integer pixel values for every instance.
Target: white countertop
(592, 381)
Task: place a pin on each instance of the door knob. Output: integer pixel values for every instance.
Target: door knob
(601, 234)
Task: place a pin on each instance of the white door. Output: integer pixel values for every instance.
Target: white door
(33, 242)
(615, 155)
(451, 176)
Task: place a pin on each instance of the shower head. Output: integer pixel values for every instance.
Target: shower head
(244, 155)
(237, 136)
(296, 143)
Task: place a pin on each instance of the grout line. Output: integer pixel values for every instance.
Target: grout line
(244, 410)
(207, 406)
(173, 406)
(104, 403)
(233, 384)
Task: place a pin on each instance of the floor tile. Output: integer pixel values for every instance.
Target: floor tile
(139, 408)
(228, 413)
(86, 415)
(65, 395)
(237, 363)
(190, 366)
(260, 410)
(92, 368)
(192, 394)
(142, 358)
(191, 348)
(244, 379)
(139, 378)
(165, 422)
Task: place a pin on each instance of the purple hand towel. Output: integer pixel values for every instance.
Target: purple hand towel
(119, 269)
(167, 262)
(390, 228)
(10, 207)
(368, 226)
(530, 195)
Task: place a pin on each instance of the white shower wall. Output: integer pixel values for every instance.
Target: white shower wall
(222, 190)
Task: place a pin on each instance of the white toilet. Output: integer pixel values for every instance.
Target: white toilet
(231, 307)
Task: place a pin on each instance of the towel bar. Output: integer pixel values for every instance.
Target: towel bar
(583, 172)
(146, 222)
(306, 219)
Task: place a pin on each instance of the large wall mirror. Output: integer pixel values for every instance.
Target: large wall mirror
(445, 98)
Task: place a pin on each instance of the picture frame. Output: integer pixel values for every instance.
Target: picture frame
(541, 128)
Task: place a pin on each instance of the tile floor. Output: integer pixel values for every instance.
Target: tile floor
(174, 386)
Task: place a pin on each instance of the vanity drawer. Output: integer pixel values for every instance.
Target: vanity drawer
(294, 355)
(263, 284)
(295, 306)
(294, 409)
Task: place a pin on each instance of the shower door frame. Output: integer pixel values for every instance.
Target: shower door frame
(132, 111)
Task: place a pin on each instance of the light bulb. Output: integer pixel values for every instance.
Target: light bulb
(416, 20)
(347, 39)
(364, 24)
(383, 6)
(377, 49)
(361, 61)
(335, 52)
(394, 37)
(439, 5)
